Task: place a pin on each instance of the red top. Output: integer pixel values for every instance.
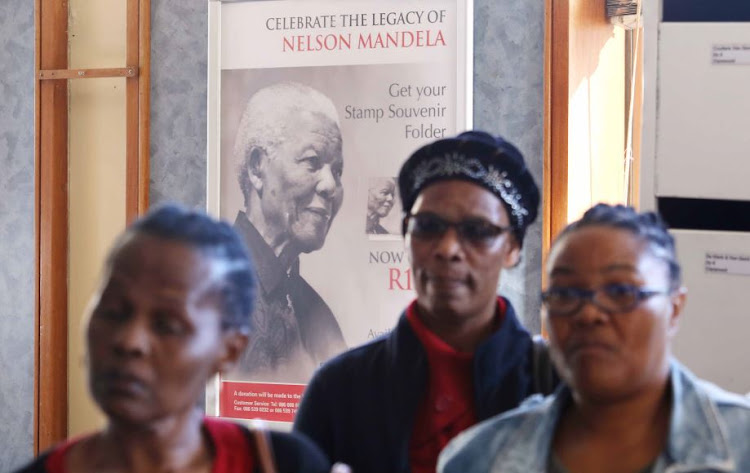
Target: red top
(447, 407)
(231, 449)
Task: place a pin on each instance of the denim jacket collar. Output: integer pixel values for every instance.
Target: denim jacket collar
(697, 437)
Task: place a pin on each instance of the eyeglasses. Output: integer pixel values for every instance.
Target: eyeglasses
(612, 298)
(428, 226)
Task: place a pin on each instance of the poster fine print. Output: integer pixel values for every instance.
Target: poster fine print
(313, 107)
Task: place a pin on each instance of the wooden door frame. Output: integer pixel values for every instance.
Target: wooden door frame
(556, 94)
(557, 109)
(51, 195)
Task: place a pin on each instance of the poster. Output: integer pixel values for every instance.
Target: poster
(313, 107)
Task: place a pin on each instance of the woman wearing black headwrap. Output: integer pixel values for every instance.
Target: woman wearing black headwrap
(458, 354)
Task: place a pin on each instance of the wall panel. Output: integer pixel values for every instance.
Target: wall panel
(179, 62)
(16, 232)
(508, 99)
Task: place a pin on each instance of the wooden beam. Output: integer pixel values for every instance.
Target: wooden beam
(144, 106)
(37, 213)
(52, 227)
(559, 94)
(547, 146)
(547, 155)
(87, 73)
(132, 164)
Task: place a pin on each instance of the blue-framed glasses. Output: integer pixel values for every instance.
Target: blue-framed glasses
(428, 226)
(612, 298)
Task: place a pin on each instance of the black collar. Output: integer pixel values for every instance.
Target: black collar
(270, 271)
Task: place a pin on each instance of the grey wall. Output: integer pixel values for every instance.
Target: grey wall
(16, 232)
(508, 99)
(179, 62)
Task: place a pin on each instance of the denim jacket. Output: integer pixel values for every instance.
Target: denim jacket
(709, 432)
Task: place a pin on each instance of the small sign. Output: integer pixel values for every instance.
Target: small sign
(729, 264)
(731, 54)
(269, 401)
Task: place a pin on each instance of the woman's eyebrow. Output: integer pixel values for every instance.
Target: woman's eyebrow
(561, 271)
(619, 267)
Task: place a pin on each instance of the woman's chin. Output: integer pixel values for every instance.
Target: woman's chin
(126, 413)
(598, 384)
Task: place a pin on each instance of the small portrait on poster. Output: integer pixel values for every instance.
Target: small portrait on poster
(383, 207)
(289, 163)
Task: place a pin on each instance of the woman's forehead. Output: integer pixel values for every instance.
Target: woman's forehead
(156, 260)
(601, 248)
(461, 198)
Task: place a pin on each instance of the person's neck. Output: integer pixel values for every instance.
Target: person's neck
(640, 421)
(173, 444)
(464, 334)
(372, 216)
(278, 241)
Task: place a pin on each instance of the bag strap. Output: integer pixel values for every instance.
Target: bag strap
(262, 439)
(543, 373)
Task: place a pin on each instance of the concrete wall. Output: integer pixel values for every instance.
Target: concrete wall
(508, 99)
(179, 61)
(16, 232)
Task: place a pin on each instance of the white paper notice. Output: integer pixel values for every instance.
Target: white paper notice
(729, 264)
(737, 54)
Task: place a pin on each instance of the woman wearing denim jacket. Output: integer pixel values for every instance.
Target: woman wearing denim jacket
(612, 307)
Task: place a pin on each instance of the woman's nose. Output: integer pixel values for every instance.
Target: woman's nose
(132, 338)
(589, 313)
(448, 245)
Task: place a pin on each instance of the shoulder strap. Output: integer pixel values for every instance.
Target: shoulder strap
(262, 440)
(543, 372)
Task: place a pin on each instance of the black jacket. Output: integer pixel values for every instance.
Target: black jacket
(282, 349)
(360, 406)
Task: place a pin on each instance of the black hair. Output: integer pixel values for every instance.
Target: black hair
(215, 239)
(646, 225)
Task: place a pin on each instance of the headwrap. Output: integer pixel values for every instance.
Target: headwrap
(480, 158)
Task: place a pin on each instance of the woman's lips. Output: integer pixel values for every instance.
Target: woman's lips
(590, 348)
(121, 383)
(447, 282)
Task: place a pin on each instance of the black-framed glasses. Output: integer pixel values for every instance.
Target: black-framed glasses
(427, 226)
(612, 298)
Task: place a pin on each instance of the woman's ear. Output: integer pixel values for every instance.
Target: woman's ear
(235, 341)
(678, 299)
(512, 252)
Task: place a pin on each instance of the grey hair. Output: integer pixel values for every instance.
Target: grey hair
(265, 122)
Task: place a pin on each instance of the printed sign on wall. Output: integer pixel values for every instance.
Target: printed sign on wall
(313, 107)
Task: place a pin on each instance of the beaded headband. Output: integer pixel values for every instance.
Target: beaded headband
(455, 164)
